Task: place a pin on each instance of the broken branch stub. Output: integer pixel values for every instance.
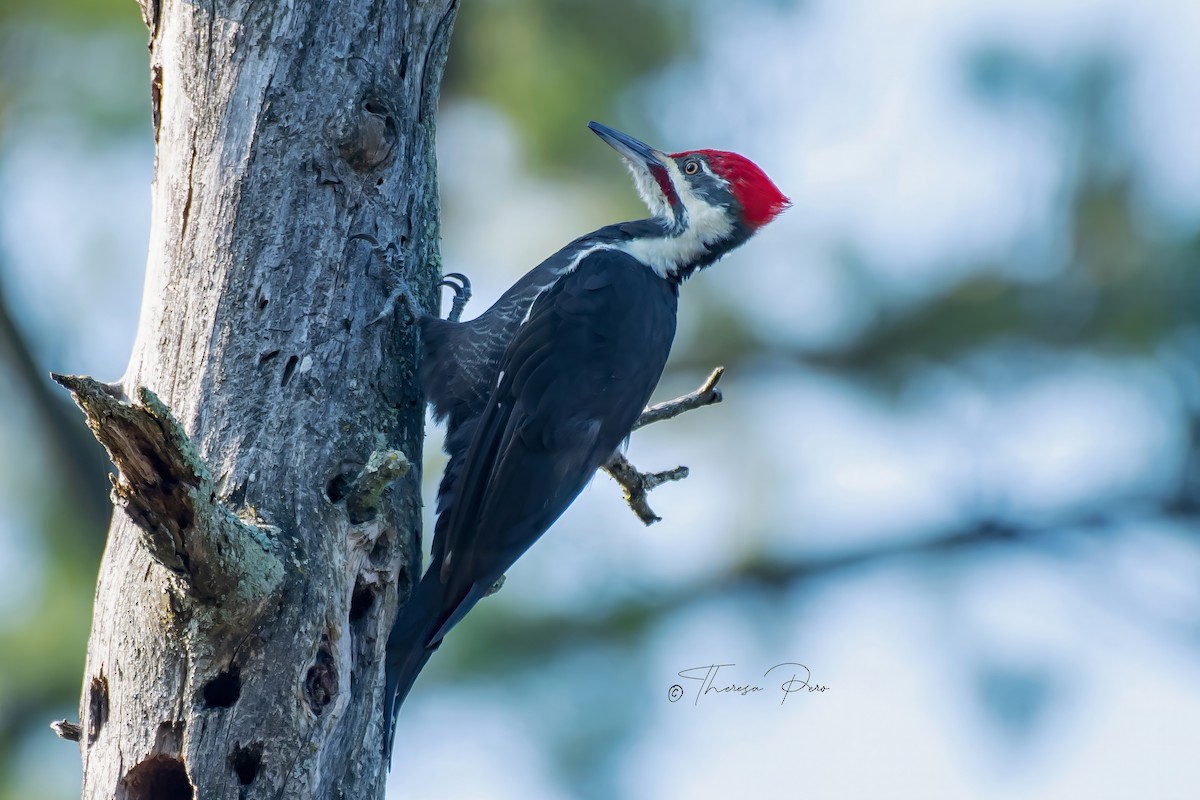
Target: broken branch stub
(383, 467)
(65, 729)
(166, 489)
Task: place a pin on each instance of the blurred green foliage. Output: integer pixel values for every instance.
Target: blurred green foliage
(552, 66)
(83, 63)
(73, 15)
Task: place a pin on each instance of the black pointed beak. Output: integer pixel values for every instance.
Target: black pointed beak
(630, 148)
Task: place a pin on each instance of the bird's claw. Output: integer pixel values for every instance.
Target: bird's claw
(497, 586)
(460, 283)
(383, 252)
(462, 293)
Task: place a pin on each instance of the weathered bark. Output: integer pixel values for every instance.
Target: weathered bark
(249, 577)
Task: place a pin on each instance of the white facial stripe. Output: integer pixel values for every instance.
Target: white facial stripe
(681, 188)
(705, 224)
(647, 189)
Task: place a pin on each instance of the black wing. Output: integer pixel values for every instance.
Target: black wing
(460, 363)
(575, 378)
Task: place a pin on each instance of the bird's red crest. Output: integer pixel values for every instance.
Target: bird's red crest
(758, 195)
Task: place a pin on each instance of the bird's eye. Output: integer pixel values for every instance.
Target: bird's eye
(691, 167)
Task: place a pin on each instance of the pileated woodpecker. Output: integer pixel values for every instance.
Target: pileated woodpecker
(541, 389)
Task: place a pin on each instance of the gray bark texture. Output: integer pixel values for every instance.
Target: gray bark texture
(263, 432)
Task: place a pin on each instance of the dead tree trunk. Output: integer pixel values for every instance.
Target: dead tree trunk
(249, 578)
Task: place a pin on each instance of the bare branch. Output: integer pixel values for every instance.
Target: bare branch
(706, 395)
(637, 485)
(165, 488)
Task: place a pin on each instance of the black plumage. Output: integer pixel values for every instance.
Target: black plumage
(573, 381)
(460, 360)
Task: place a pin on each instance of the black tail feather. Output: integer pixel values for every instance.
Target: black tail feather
(410, 643)
(408, 650)
(458, 441)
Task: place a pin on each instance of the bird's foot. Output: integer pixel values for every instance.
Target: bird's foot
(388, 255)
(462, 293)
(496, 586)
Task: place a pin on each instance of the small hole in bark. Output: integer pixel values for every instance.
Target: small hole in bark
(340, 483)
(157, 778)
(380, 552)
(237, 497)
(246, 762)
(371, 107)
(379, 182)
(362, 601)
(320, 684)
(288, 369)
(265, 357)
(336, 487)
(97, 706)
(225, 689)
